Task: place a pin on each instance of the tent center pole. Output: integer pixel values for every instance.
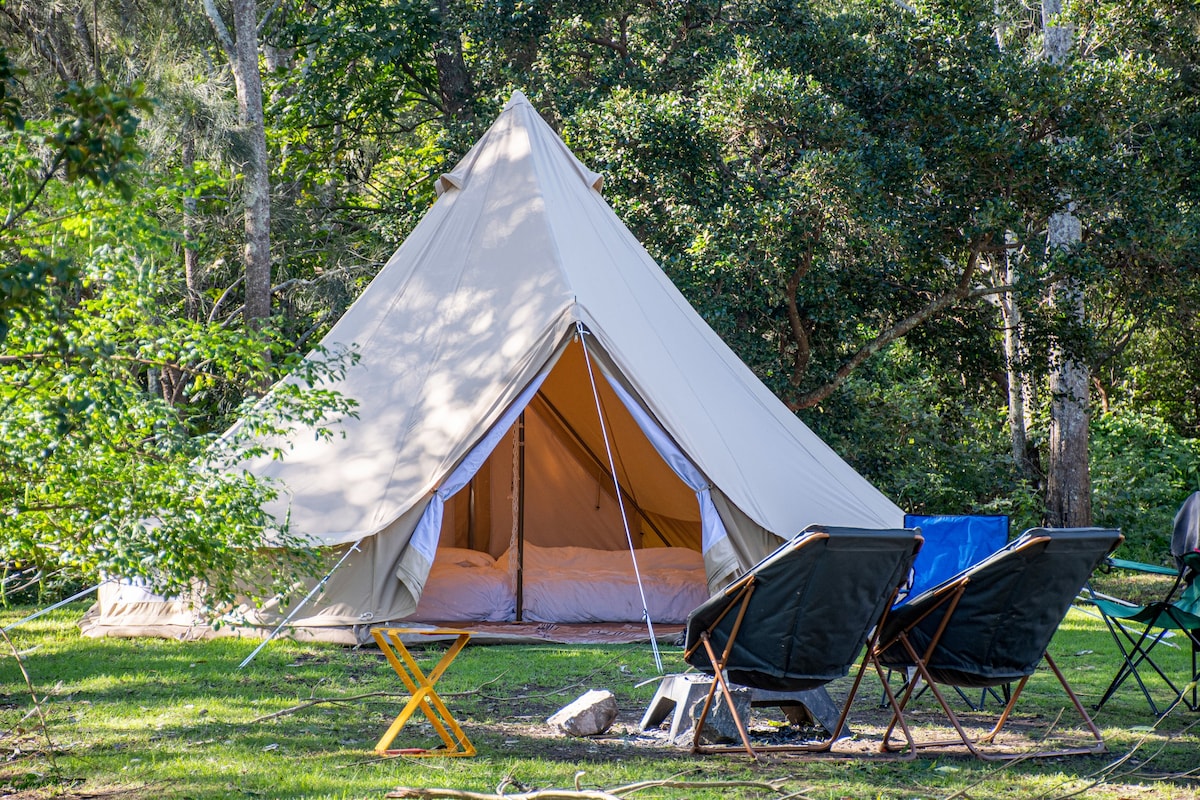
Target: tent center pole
(521, 517)
(471, 514)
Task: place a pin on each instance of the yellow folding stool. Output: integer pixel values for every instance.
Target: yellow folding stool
(424, 696)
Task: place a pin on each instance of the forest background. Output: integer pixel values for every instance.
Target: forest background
(958, 238)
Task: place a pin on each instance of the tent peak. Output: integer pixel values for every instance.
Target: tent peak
(521, 117)
(518, 98)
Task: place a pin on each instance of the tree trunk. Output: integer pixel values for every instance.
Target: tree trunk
(1018, 396)
(1069, 486)
(256, 189)
(192, 279)
(454, 82)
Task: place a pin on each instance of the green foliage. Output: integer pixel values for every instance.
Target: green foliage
(1142, 469)
(930, 443)
(101, 475)
(92, 139)
(111, 400)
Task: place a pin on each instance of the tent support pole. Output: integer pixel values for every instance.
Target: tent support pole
(521, 518)
(57, 605)
(301, 604)
(612, 467)
(471, 514)
(562, 420)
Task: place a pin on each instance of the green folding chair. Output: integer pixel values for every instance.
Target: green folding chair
(1141, 630)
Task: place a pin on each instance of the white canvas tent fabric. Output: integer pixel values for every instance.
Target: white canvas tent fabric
(481, 303)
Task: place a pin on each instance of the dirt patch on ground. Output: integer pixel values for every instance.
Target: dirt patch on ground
(1022, 733)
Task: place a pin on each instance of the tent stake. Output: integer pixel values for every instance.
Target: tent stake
(301, 604)
(612, 467)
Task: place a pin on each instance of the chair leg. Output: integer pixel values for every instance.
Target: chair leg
(972, 744)
(719, 681)
(897, 713)
(1133, 657)
(1195, 704)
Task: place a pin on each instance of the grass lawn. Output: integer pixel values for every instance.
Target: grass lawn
(153, 718)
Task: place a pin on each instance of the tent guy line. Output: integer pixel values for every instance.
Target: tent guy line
(612, 470)
(59, 604)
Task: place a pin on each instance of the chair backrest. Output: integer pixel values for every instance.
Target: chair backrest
(1185, 536)
(1010, 607)
(813, 604)
(952, 544)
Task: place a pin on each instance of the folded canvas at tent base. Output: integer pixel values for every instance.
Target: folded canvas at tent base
(517, 289)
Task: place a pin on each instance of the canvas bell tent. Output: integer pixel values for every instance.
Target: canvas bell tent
(535, 397)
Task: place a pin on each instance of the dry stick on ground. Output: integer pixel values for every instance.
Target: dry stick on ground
(765, 786)
(582, 681)
(32, 693)
(316, 701)
(579, 794)
(800, 795)
(1105, 773)
(459, 794)
(674, 782)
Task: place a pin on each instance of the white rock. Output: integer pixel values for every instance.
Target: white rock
(594, 712)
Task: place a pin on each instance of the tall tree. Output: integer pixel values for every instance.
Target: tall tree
(1069, 487)
(241, 50)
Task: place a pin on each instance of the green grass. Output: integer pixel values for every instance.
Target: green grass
(154, 718)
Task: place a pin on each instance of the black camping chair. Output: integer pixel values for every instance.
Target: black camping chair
(991, 625)
(953, 543)
(798, 620)
(1139, 629)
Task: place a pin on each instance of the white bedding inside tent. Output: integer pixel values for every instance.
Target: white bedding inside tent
(563, 585)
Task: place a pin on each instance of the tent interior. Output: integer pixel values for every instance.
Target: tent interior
(538, 533)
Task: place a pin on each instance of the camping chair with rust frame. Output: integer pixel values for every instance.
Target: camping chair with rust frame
(992, 625)
(798, 620)
(1139, 629)
(953, 543)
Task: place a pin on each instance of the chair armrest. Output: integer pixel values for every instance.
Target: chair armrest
(1138, 566)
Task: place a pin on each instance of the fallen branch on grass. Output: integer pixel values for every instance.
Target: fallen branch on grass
(316, 701)
(775, 787)
(765, 786)
(461, 794)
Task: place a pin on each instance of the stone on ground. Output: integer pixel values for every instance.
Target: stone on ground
(720, 726)
(594, 712)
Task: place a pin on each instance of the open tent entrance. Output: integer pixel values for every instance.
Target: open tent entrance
(569, 494)
(542, 510)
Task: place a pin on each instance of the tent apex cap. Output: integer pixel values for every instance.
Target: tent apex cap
(517, 98)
